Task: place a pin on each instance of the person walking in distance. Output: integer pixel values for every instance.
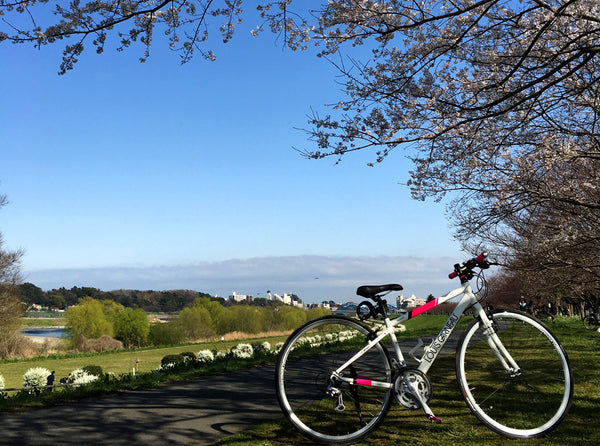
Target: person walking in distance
(50, 379)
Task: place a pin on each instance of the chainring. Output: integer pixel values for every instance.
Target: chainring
(403, 394)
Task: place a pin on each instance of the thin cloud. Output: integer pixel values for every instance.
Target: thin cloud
(312, 278)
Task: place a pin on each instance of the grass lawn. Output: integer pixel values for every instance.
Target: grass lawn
(32, 322)
(111, 362)
(459, 426)
(149, 359)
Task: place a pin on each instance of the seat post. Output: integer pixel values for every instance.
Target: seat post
(382, 306)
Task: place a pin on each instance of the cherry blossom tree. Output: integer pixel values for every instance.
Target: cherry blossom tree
(495, 101)
(186, 25)
(469, 87)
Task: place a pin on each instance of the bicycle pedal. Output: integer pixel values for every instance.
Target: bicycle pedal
(432, 417)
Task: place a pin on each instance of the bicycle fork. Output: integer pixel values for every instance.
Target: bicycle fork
(506, 360)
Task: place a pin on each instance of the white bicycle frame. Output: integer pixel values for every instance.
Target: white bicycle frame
(433, 350)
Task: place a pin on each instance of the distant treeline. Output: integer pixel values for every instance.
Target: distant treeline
(149, 301)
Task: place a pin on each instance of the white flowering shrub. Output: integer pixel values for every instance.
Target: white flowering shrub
(163, 367)
(242, 351)
(266, 346)
(1, 382)
(35, 378)
(278, 346)
(303, 340)
(206, 356)
(221, 355)
(80, 377)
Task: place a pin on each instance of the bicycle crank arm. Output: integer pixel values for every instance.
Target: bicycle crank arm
(414, 391)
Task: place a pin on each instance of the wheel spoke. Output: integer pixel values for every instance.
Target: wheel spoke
(526, 405)
(331, 409)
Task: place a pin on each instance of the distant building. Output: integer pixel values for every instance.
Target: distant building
(287, 299)
(240, 297)
(411, 302)
(274, 296)
(292, 299)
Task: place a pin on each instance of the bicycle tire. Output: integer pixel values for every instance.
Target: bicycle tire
(590, 322)
(518, 405)
(303, 376)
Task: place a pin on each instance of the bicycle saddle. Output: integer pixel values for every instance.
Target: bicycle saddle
(370, 291)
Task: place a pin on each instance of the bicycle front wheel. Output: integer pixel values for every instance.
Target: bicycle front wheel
(525, 402)
(326, 398)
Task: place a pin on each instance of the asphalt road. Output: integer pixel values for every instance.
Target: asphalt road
(195, 412)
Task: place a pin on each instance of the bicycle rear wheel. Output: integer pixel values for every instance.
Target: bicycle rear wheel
(318, 403)
(525, 403)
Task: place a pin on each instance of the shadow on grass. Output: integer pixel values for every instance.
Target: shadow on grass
(459, 425)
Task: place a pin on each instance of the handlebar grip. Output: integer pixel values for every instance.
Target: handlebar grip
(481, 257)
(469, 265)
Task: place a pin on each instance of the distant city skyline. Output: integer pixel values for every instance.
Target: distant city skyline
(312, 278)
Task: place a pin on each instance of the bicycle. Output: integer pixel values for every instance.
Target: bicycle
(592, 321)
(336, 380)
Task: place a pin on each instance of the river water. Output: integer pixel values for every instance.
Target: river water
(50, 332)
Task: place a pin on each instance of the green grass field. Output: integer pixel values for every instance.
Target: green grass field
(459, 426)
(149, 359)
(33, 322)
(118, 362)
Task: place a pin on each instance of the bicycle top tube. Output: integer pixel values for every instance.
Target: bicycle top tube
(437, 301)
(463, 271)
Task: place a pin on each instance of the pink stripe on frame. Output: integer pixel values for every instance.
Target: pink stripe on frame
(423, 308)
(363, 382)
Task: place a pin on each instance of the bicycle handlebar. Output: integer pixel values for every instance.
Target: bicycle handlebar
(465, 271)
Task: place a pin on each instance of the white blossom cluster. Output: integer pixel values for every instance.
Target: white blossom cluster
(242, 351)
(329, 338)
(80, 377)
(35, 378)
(168, 366)
(205, 356)
(2, 384)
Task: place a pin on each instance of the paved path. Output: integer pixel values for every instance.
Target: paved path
(195, 412)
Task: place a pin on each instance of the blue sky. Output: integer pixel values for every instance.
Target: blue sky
(161, 176)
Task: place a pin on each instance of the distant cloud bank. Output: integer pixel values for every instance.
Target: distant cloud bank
(312, 278)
